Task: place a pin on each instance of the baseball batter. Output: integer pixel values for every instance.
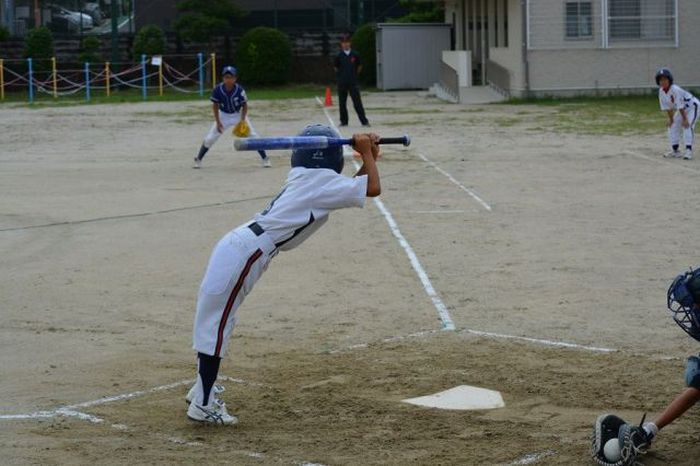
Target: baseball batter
(230, 106)
(314, 188)
(682, 109)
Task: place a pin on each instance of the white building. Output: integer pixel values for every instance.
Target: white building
(565, 47)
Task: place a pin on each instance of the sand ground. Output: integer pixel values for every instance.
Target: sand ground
(105, 232)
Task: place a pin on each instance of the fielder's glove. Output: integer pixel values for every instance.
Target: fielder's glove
(634, 440)
(241, 130)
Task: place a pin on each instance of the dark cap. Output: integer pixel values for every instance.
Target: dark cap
(346, 38)
(228, 69)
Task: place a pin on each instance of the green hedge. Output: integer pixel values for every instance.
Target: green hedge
(264, 56)
(90, 50)
(150, 40)
(4, 34)
(364, 42)
(39, 47)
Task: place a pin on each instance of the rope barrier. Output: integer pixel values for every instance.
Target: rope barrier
(66, 82)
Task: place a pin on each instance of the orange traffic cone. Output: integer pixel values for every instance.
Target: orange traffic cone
(329, 101)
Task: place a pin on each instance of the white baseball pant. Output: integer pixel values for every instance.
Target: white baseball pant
(235, 265)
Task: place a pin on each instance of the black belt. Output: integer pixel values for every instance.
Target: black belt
(255, 228)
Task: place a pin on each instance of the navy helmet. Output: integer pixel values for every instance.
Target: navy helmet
(228, 69)
(683, 298)
(663, 73)
(330, 157)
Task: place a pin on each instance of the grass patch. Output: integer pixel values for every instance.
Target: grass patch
(98, 97)
(596, 115)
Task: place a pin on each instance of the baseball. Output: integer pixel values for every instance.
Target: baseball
(611, 450)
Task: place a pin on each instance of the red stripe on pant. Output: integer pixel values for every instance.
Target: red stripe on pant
(232, 299)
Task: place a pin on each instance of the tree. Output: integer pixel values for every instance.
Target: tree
(202, 20)
(150, 40)
(264, 56)
(39, 47)
(90, 50)
(422, 12)
(364, 41)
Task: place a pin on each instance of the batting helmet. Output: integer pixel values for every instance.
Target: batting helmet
(683, 297)
(330, 157)
(228, 69)
(663, 73)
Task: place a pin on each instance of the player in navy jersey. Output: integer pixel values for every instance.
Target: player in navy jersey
(230, 106)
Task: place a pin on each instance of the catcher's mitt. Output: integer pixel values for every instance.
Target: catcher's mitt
(241, 130)
(634, 440)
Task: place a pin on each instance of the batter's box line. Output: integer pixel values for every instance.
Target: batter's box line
(74, 410)
(479, 333)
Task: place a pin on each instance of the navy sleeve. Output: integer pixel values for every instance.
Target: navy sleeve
(336, 61)
(358, 60)
(215, 95)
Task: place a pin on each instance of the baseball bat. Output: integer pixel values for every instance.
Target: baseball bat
(306, 142)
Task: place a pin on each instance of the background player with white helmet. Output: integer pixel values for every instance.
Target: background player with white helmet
(682, 109)
(230, 107)
(314, 188)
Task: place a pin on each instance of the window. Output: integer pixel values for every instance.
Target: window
(641, 19)
(579, 20)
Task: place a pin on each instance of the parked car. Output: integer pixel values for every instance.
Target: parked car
(93, 9)
(70, 20)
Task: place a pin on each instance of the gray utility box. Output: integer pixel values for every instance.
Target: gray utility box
(409, 55)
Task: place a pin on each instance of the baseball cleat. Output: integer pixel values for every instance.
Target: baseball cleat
(266, 162)
(672, 154)
(214, 413)
(197, 163)
(218, 389)
(688, 155)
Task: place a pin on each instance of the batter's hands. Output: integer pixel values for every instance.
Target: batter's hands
(374, 139)
(686, 124)
(220, 127)
(362, 143)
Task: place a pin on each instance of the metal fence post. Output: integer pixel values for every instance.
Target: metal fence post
(200, 59)
(87, 81)
(31, 81)
(144, 88)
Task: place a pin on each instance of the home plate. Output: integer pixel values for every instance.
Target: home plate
(464, 397)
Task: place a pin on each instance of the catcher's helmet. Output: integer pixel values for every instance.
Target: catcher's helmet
(683, 297)
(663, 73)
(228, 69)
(330, 157)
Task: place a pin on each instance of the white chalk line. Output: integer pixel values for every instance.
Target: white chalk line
(561, 344)
(443, 312)
(72, 410)
(500, 336)
(438, 211)
(531, 458)
(455, 182)
(665, 161)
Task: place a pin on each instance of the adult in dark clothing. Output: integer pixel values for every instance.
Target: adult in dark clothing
(347, 66)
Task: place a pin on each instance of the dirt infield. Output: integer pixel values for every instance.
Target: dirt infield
(106, 230)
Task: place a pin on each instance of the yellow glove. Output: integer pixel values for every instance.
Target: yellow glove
(241, 130)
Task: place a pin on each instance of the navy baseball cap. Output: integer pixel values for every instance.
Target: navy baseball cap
(229, 70)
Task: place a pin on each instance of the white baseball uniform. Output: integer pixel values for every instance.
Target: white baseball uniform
(677, 98)
(243, 254)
